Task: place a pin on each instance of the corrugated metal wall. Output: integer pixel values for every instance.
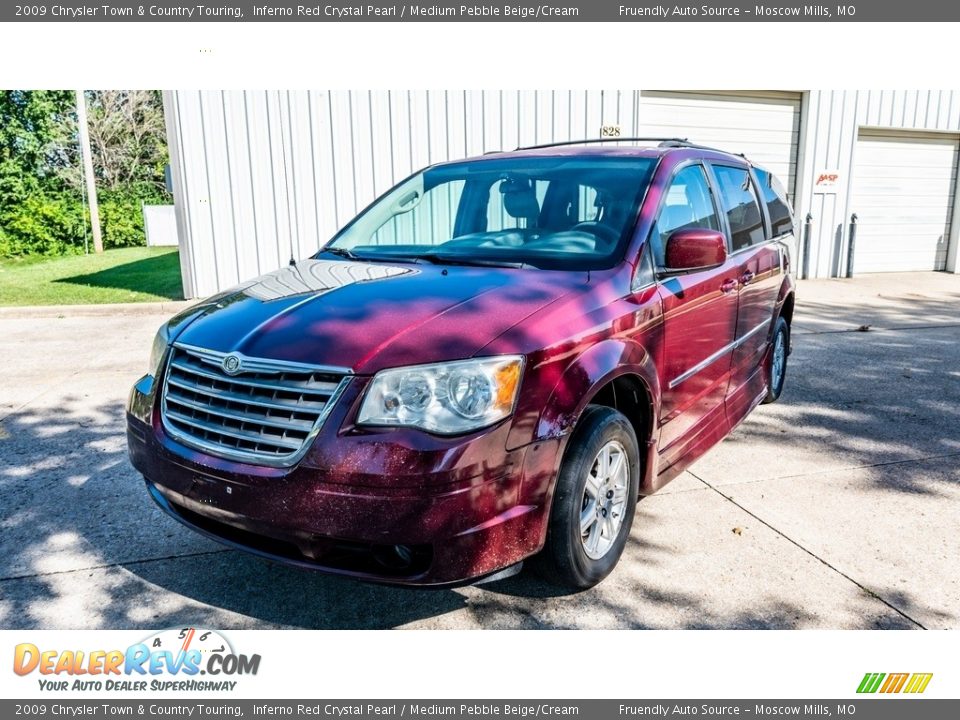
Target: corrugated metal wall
(833, 119)
(763, 125)
(263, 175)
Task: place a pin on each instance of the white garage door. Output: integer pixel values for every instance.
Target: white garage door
(765, 126)
(903, 195)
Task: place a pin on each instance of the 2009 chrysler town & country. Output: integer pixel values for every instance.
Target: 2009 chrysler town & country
(490, 363)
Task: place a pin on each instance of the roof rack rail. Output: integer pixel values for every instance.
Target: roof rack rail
(587, 141)
(672, 143)
(662, 142)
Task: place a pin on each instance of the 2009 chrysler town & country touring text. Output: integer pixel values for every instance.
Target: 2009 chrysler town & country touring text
(490, 363)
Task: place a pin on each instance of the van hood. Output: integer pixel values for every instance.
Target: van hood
(366, 316)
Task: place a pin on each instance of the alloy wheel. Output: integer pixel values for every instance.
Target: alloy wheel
(779, 360)
(603, 507)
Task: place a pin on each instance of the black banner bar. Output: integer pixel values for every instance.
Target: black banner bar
(216, 708)
(510, 11)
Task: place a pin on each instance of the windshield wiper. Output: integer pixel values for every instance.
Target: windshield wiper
(443, 259)
(431, 257)
(351, 255)
(342, 252)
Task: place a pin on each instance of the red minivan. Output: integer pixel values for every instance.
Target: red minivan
(491, 363)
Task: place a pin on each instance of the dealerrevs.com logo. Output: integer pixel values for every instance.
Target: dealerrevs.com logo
(894, 683)
(169, 660)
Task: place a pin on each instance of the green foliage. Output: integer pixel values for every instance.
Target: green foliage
(44, 224)
(41, 178)
(121, 221)
(31, 124)
(121, 214)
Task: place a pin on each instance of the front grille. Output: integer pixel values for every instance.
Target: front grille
(265, 413)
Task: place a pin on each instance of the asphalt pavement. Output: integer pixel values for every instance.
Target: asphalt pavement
(837, 507)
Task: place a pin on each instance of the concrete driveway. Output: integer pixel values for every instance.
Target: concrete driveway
(836, 508)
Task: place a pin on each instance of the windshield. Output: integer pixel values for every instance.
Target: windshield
(571, 213)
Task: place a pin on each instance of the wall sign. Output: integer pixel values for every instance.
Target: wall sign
(826, 181)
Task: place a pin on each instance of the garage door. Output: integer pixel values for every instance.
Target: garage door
(765, 126)
(903, 194)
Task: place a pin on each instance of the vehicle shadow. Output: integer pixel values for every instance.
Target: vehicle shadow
(82, 545)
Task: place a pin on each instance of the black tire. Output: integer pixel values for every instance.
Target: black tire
(564, 560)
(781, 333)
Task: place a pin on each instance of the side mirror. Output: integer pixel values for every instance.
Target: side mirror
(695, 249)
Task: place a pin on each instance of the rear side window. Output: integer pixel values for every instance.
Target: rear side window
(687, 205)
(775, 198)
(739, 201)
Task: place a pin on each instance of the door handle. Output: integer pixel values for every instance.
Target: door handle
(747, 277)
(728, 286)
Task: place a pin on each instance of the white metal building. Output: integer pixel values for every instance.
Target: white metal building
(262, 175)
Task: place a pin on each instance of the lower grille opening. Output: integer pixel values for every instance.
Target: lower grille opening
(393, 561)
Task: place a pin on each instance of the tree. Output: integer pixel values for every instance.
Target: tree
(41, 174)
(36, 216)
(127, 139)
(31, 156)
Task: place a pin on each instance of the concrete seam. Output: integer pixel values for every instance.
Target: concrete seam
(122, 563)
(800, 331)
(41, 394)
(809, 552)
(845, 468)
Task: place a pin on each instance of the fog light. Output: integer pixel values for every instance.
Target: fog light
(396, 557)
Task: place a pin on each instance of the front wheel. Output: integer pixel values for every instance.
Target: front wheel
(777, 364)
(594, 502)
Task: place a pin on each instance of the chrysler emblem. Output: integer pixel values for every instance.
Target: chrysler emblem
(231, 364)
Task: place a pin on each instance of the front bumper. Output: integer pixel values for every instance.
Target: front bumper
(369, 505)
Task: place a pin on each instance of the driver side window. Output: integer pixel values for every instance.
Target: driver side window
(688, 204)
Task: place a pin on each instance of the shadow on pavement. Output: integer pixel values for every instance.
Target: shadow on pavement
(84, 546)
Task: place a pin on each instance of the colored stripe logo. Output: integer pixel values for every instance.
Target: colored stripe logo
(894, 683)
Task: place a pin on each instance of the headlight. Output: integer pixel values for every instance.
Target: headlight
(446, 398)
(160, 342)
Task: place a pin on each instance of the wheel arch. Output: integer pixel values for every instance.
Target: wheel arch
(786, 304)
(786, 310)
(628, 394)
(616, 373)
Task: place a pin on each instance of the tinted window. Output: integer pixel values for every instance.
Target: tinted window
(738, 201)
(687, 205)
(499, 217)
(551, 212)
(430, 225)
(775, 197)
(644, 275)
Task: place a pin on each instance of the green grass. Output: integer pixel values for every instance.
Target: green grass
(116, 276)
